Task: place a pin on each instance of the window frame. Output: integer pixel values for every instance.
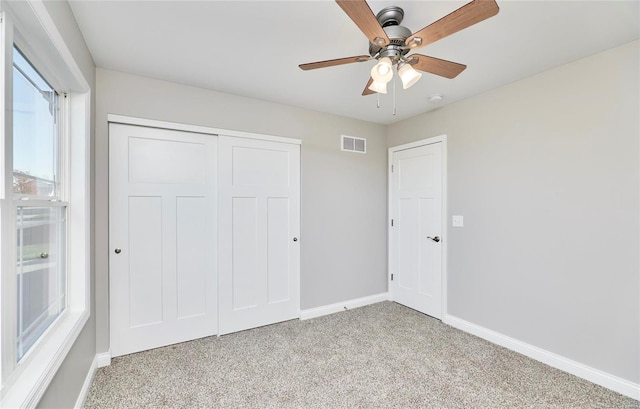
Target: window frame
(59, 199)
(28, 25)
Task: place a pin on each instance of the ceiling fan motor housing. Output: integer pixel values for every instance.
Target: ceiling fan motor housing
(390, 19)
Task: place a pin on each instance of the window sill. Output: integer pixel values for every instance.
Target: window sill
(34, 376)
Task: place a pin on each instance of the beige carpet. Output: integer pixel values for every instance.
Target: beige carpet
(380, 356)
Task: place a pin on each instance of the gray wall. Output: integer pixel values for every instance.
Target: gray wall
(65, 386)
(343, 195)
(546, 172)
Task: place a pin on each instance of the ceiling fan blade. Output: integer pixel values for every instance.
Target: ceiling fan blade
(367, 91)
(465, 16)
(443, 68)
(361, 14)
(331, 63)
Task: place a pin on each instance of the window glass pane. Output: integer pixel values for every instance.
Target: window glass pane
(35, 140)
(41, 266)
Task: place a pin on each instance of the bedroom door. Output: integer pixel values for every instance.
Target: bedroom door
(259, 269)
(416, 242)
(162, 235)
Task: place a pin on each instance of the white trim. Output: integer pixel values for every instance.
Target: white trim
(79, 189)
(46, 361)
(38, 38)
(445, 230)
(40, 11)
(596, 376)
(152, 123)
(8, 293)
(445, 213)
(25, 383)
(342, 306)
(104, 358)
(417, 144)
(86, 386)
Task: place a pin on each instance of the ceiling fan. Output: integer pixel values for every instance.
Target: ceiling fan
(390, 43)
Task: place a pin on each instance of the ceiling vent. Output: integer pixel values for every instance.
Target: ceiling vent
(354, 144)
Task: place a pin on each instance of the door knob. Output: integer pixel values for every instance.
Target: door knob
(117, 251)
(436, 239)
(295, 239)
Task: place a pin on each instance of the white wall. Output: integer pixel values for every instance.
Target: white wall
(546, 172)
(343, 195)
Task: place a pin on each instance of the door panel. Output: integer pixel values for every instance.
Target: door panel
(166, 161)
(416, 208)
(191, 251)
(162, 218)
(145, 243)
(278, 259)
(408, 244)
(245, 253)
(260, 167)
(259, 206)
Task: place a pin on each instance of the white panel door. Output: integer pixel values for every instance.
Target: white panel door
(259, 268)
(162, 235)
(416, 235)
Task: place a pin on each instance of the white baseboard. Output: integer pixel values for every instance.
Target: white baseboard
(596, 376)
(341, 306)
(82, 397)
(104, 359)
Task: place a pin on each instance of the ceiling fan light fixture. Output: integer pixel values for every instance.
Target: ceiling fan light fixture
(382, 71)
(408, 75)
(380, 87)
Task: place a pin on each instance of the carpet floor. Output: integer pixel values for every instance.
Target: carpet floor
(379, 356)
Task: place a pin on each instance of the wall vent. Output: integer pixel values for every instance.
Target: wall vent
(353, 144)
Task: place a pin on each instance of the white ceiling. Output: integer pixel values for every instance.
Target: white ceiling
(253, 48)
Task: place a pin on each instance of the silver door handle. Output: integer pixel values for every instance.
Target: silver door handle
(436, 239)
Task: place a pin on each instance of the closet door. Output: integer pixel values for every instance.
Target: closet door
(162, 235)
(259, 225)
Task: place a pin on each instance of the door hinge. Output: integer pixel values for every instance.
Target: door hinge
(391, 222)
(391, 168)
(391, 276)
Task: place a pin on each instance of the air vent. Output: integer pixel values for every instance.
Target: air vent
(354, 144)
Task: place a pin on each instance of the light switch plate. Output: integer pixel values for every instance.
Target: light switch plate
(457, 221)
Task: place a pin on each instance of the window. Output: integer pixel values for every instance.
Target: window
(44, 208)
(41, 229)
(35, 132)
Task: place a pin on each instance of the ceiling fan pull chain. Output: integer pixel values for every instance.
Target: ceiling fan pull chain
(378, 102)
